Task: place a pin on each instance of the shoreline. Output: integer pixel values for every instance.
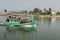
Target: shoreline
(48, 16)
(37, 15)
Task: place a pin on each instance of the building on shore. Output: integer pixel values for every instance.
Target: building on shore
(53, 13)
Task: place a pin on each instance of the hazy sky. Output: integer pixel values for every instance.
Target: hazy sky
(29, 4)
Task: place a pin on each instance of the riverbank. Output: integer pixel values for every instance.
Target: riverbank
(49, 16)
(27, 14)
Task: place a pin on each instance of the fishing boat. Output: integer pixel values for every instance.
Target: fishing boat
(21, 22)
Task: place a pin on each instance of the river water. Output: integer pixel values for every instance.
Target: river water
(48, 29)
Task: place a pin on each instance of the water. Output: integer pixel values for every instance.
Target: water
(48, 29)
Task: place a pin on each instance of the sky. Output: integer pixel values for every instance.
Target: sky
(12, 5)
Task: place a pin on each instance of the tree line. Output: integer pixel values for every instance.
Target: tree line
(38, 11)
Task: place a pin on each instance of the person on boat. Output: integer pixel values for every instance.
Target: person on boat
(9, 16)
(7, 20)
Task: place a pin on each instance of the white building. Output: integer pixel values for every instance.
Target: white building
(54, 13)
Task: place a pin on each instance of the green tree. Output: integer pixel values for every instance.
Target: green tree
(31, 12)
(40, 12)
(45, 11)
(26, 11)
(50, 11)
(36, 11)
(58, 13)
